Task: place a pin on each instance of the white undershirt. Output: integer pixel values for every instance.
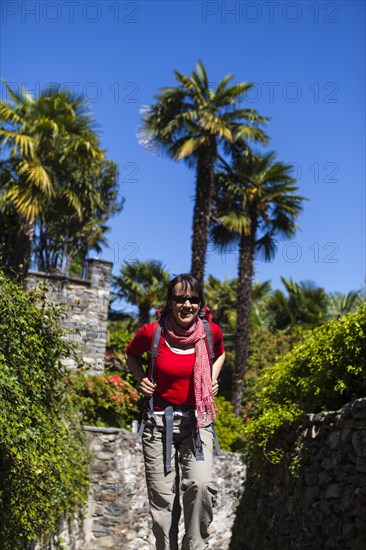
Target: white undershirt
(180, 350)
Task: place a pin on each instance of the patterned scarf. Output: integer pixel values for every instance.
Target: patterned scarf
(195, 334)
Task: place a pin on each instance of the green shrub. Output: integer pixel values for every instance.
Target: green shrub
(264, 349)
(121, 332)
(228, 426)
(103, 400)
(323, 373)
(43, 457)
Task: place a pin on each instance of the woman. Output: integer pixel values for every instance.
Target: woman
(178, 436)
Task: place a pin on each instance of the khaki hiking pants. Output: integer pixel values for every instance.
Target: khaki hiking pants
(192, 477)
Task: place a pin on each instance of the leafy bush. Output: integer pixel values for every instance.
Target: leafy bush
(121, 332)
(43, 457)
(228, 426)
(323, 373)
(264, 349)
(103, 400)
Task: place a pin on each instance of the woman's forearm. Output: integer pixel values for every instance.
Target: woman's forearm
(216, 369)
(217, 366)
(134, 366)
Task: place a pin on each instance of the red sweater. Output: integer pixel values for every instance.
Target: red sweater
(173, 371)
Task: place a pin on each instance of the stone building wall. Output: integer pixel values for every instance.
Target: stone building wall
(117, 513)
(88, 300)
(322, 506)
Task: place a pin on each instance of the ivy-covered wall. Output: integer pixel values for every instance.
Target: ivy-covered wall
(89, 299)
(315, 498)
(43, 455)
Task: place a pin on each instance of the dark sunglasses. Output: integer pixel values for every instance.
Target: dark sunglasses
(181, 299)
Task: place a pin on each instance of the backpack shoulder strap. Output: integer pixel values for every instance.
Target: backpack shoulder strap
(156, 334)
(206, 325)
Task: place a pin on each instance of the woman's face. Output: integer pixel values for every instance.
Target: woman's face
(184, 311)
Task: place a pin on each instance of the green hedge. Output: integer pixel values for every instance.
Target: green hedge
(43, 457)
(323, 373)
(228, 426)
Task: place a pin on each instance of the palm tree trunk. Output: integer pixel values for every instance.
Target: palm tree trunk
(244, 297)
(144, 315)
(202, 209)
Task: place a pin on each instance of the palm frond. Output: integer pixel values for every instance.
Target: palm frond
(46, 124)
(231, 95)
(25, 201)
(202, 74)
(222, 236)
(221, 88)
(8, 114)
(19, 97)
(238, 223)
(73, 201)
(250, 133)
(215, 125)
(188, 147)
(22, 143)
(266, 246)
(37, 175)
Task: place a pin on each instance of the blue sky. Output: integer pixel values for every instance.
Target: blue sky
(307, 63)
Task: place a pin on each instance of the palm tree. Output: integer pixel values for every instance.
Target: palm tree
(28, 181)
(40, 136)
(221, 297)
(255, 202)
(190, 122)
(64, 242)
(260, 299)
(304, 306)
(339, 304)
(143, 284)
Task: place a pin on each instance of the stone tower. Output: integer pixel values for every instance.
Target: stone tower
(88, 300)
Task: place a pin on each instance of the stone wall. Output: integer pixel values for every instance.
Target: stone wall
(117, 514)
(88, 299)
(322, 506)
